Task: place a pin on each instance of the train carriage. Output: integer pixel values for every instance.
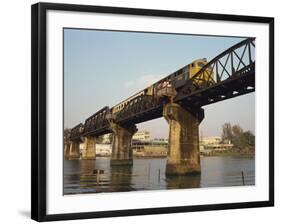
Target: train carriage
(175, 80)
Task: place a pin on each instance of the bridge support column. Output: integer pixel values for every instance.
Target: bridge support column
(183, 150)
(122, 153)
(89, 149)
(74, 152)
(66, 149)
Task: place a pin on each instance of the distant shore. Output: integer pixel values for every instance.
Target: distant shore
(225, 153)
(232, 153)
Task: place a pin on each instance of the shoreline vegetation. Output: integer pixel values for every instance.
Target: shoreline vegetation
(234, 142)
(247, 152)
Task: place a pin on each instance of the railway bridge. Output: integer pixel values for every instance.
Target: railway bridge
(179, 98)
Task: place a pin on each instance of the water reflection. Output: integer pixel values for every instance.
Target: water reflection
(86, 175)
(179, 182)
(121, 177)
(80, 176)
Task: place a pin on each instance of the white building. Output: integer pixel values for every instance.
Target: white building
(142, 136)
(106, 138)
(213, 143)
(211, 140)
(103, 149)
(160, 141)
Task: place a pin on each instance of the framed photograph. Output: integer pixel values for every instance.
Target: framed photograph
(140, 111)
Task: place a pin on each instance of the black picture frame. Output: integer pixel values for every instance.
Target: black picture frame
(39, 114)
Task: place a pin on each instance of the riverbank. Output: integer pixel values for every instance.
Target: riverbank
(212, 154)
(230, 153)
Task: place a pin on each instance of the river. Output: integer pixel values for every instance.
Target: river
(149, 174)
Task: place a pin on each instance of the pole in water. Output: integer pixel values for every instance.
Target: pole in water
(98, 176)
(148, 171)
(159, 175)
(243, 180)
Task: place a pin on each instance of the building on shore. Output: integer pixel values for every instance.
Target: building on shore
(213, 143)
(151, 148)
(103, 149)
(161, 141)
(106, 139)
(142, 136)
(142, 145)
(211, 140)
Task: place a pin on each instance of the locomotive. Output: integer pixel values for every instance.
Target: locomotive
(175, 80)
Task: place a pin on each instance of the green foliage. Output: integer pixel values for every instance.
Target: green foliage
(66, 133)
(236, 130)
(237, 136)
(248, 138)
(226, 132)
(99, 139)
(110, 138)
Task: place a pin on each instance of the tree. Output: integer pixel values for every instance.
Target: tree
(236, 130)
(248, 139)
(110, 138)
(66, 133)
(237, 136)
(226, 132)
(237, 133)
(99, 139)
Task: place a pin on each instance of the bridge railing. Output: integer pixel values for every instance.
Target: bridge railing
(75, 133)
(97, 121)
(230, 64)
(138, 105)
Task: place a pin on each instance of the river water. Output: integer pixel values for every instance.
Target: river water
(149, 174)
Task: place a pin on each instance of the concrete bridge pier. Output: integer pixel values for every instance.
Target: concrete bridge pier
(122, 153)
(73, 152)
(183, 150)
(66, 149)
(89, 149)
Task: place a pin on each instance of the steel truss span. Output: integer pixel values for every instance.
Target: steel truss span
(228, 75)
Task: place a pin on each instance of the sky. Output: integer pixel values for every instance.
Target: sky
(102, 68)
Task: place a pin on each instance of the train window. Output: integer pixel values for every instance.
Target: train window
(180, 71)
(192, 65)
(179, 77)
(185, 73)
(200, 64)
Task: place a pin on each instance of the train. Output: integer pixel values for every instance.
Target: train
(176, 80)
